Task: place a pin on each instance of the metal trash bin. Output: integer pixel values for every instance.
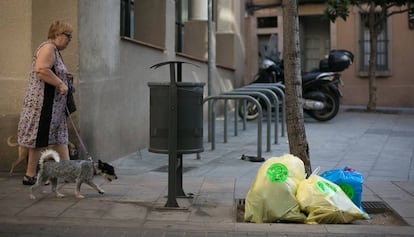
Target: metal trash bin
(189, 117)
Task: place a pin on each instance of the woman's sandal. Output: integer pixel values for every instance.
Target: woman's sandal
(27, 180)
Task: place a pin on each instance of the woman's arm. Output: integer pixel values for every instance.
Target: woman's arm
(44, 62)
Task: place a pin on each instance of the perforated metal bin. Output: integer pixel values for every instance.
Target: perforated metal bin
(189, 118)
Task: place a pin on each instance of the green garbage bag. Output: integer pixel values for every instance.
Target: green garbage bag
(271, 197)
(326, 203)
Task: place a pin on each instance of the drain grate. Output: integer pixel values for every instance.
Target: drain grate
(375, 207)
(369, 207)
(380, 213)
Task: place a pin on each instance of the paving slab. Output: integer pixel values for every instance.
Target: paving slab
(379, 145)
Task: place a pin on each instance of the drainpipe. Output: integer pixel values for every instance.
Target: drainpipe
(211, 46)
(211, 58)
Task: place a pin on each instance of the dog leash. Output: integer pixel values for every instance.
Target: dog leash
(89, 157)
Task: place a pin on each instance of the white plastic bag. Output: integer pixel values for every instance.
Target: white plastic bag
(325, 203)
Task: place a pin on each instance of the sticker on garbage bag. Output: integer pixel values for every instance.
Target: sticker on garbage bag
(326, 187)
(277, 172)
(348, 190)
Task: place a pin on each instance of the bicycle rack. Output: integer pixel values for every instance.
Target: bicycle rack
(278, 89)
(268, 92)
(268, 104)
(276, 104)
(211, 123)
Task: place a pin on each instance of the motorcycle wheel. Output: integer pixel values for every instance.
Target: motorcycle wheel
(251, 111)
(331, 107)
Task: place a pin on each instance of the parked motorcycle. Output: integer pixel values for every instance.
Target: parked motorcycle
(320, 87)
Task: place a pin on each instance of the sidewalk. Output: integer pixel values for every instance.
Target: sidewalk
(379, 145)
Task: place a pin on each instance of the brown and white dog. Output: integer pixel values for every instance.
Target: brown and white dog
(23, 152)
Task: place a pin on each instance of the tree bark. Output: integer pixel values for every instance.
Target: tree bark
(298, 144)
(373, 34)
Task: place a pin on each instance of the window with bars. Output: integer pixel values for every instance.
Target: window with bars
(382, 46)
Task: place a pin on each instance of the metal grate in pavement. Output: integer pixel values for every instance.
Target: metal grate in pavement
(375, 207)
(369, 207)
(380, 213)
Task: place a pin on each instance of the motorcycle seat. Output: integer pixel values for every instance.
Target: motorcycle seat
(310, 76)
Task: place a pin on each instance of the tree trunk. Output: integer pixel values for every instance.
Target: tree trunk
(298, 144)
(373, 34)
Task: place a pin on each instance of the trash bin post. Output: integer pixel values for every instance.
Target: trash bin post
(172, 141)
(166, 114)
(179, 176)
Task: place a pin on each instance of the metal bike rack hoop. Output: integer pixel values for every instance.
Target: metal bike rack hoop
(237, 97)
(278, 88)
(276, 104)
(268, 104)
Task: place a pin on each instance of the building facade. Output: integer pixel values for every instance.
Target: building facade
(115, 42)
(395, 82)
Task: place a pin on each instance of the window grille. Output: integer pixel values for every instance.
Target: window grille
(382, 45)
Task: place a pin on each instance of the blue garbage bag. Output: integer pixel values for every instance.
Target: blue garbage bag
(350, 182)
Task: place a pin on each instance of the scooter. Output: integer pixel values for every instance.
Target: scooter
(320, 87)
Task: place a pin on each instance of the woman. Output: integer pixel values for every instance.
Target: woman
(43, 119)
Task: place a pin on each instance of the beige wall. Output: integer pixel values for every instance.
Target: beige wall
(150, 25)
(15, 61)
(393, 90)
(23, 26)
(15, 38)
(195, 39)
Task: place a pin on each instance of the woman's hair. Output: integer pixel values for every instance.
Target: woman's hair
(57, 28)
